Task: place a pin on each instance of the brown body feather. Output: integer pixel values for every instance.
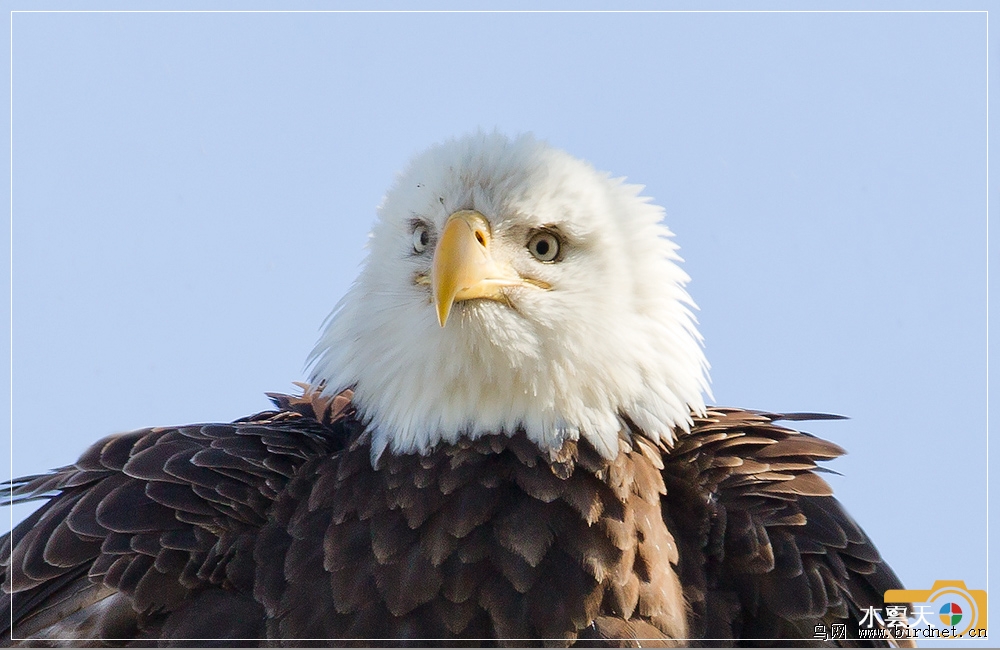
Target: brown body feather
(277, 530)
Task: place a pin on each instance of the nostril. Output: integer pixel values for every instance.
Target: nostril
(480, 238)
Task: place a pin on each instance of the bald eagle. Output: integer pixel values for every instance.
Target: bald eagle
(504, 441)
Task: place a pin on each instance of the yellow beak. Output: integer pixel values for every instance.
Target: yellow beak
(463, 268)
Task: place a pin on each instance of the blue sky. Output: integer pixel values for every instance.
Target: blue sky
(192, 193)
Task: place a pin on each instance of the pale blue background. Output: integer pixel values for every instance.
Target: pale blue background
(192, 192)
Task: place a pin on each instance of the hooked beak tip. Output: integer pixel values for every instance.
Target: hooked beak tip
(442, 313)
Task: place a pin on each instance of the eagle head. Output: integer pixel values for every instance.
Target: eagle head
(512, 287)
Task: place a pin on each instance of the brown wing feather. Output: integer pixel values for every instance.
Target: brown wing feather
(766, 552)
(152, 532)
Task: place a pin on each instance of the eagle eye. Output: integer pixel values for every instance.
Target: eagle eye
(544, 246)
(420, 238)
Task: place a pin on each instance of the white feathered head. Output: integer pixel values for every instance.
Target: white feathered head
(509, 286)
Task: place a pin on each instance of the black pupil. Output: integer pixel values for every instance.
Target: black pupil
(424, 237)
(542, 247)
